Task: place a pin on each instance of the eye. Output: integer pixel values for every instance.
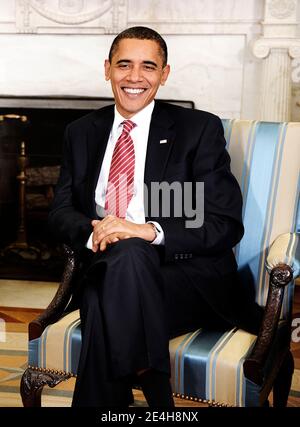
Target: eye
(149, 67)
(123, 66)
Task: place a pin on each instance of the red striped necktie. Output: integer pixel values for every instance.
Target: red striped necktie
(121, 175)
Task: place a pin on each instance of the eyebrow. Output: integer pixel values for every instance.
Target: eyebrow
(144, 62)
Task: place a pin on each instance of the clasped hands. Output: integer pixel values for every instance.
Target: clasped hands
(111, 229)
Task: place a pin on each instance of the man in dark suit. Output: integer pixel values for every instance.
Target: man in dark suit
(149, 272)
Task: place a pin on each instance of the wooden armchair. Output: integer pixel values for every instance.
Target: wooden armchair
(232, 368)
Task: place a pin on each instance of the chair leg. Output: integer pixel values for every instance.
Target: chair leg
(32, 384)
(282, 384)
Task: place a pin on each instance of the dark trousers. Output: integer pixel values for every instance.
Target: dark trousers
(131, 306)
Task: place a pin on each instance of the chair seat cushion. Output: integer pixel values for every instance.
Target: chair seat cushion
(209, 364)
(205, 364)
(59, 345)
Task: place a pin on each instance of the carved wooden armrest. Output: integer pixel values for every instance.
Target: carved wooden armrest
(60, 300)
(280, 276)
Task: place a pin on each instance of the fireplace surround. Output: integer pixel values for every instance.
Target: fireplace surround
(43, 136)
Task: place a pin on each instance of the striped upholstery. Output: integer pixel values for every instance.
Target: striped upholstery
(59, 346)
(208, 364)
(214, 356)
(204, 364)
(265, 160)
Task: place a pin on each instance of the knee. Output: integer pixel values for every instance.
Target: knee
(119, 256)
(133, 256)
(134, 247)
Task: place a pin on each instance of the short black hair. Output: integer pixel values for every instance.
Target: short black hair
(141, 33)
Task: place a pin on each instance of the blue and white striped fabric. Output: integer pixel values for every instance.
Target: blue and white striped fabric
(59, 346)
(265, 160)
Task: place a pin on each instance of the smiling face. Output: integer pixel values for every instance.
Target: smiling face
(136, 71)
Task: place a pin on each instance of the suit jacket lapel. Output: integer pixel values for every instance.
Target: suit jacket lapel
(160, 142)
(97, 142)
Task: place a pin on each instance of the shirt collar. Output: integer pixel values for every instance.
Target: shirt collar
(142, 118)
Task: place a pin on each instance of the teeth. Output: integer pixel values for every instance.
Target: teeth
(133, 91)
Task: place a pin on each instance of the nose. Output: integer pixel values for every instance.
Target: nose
(135, 74)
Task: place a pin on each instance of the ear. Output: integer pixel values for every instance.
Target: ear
(107, 69)
(165, 75)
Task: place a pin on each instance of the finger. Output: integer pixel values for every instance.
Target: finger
(122, 236)
(95, 247)
(112, 238)
(109, 218)
(95, 222)
(103, 245)
(95, 240)
(112, 228)
(103, 225)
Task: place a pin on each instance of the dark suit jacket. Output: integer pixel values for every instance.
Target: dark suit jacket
(194, 152)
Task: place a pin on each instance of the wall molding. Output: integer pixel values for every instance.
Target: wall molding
(110, 17)
(76, 17)
(81, 17)
(282, 9)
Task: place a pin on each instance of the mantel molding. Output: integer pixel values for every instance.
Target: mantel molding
(65, 17)
(81, 17)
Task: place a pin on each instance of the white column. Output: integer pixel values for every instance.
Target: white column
(276, 86)
(276, 82)
(277, 48)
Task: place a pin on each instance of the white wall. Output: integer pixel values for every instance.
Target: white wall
(57, 47)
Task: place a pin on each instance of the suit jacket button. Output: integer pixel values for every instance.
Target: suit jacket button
(176, 256)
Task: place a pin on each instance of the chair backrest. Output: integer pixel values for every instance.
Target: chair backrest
(265, 159)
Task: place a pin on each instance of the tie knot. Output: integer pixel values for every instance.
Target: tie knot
(128, 125)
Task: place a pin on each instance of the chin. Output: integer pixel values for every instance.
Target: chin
(130, 109)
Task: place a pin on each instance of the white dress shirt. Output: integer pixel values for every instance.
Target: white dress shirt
(139, 134)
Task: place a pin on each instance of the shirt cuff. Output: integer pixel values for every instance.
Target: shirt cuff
(89, 243)
(160, 239)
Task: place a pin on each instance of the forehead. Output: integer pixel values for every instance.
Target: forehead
(136, 49)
